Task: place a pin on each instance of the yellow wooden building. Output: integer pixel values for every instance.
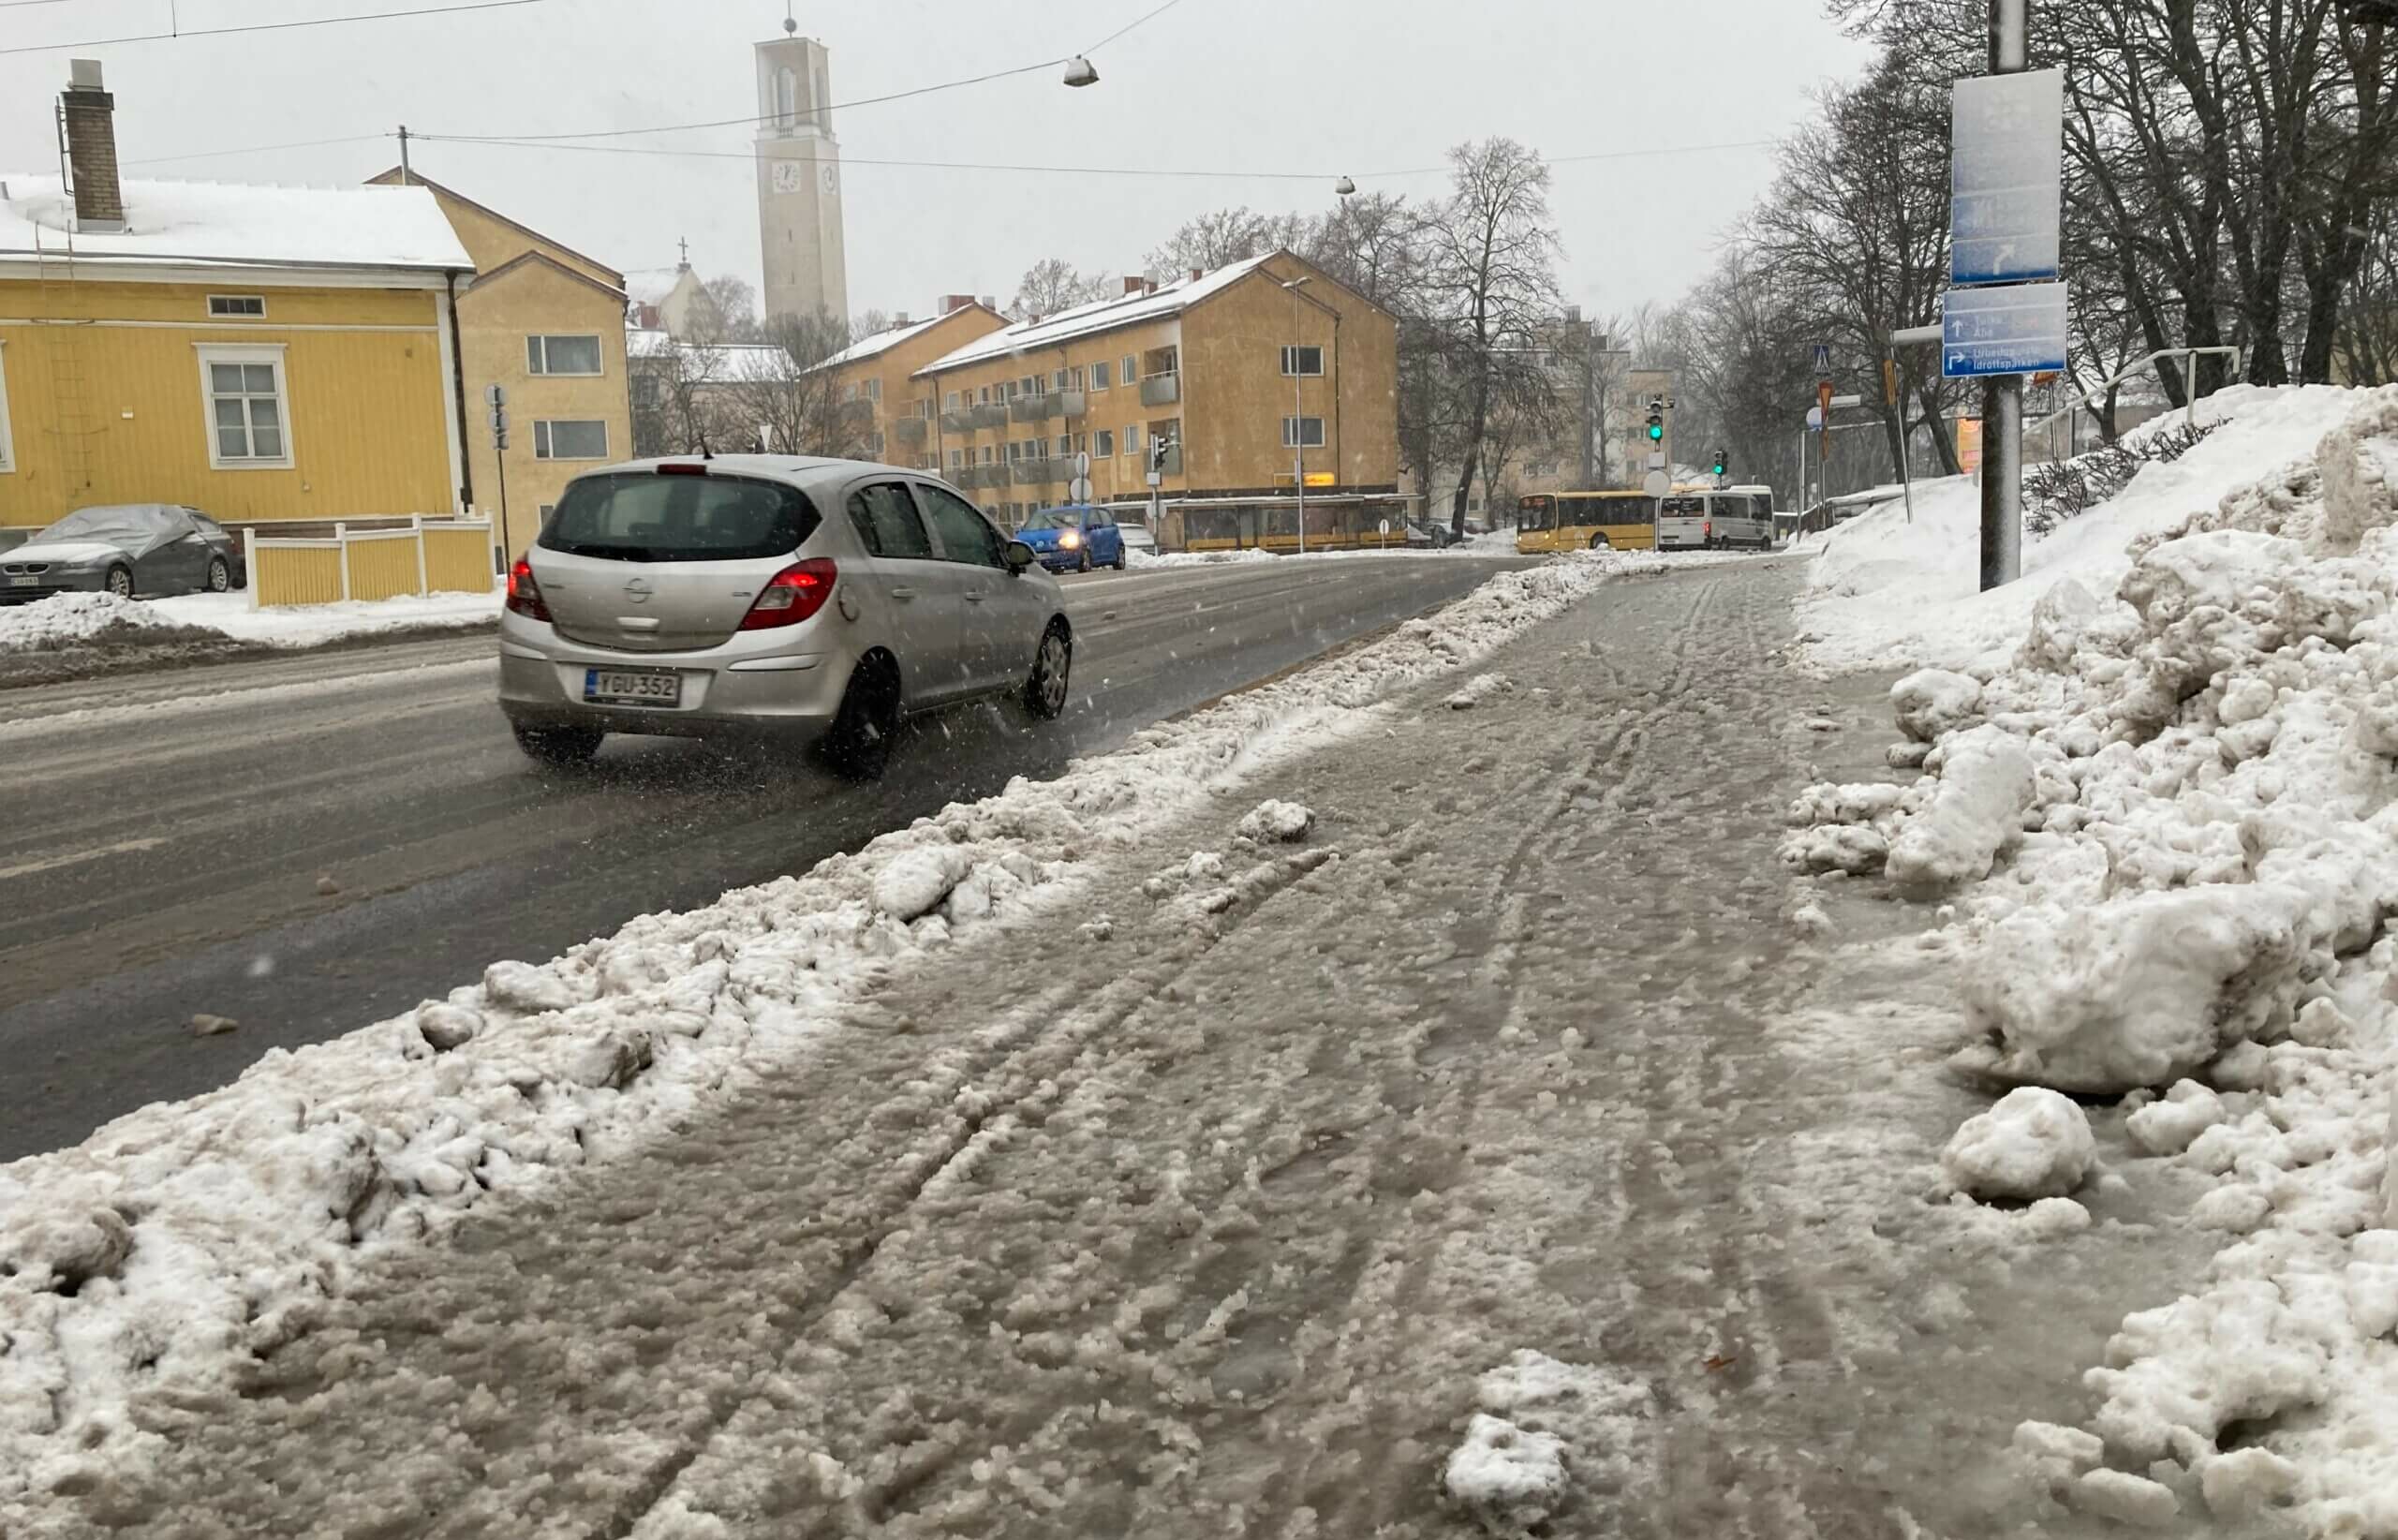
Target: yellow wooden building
(1250, 375)
(260, 353)
(546, 324)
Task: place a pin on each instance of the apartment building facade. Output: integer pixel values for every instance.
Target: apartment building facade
(879, 383)
(1243, 380)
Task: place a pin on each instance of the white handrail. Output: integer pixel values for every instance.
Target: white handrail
(2189, 382)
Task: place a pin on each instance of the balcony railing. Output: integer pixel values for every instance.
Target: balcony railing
(909, 430)
(991, 414)
(1071, 404)
(1161, 390)
(1030, 408)
(1036, 472)
(983, 475)
(960, 421)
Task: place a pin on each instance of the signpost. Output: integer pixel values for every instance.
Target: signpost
(2005, 224)
(498, 398)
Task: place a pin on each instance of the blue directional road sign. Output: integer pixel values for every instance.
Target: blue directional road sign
(2019, 330)
(2005, 177)
(1823, 360)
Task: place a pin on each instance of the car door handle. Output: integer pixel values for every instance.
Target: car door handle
(632, 624)
(977, 597)
(903, 592)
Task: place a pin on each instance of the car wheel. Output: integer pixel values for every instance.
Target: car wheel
(121, 582)
(220, 576)
(1082, 563)
(1600, 543)
(1044, 692)
(859, 746)
(1122, 555)
(560, 745)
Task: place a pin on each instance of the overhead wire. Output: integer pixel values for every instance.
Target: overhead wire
(269, 26)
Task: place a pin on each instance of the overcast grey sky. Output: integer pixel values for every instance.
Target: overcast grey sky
(1317, 87)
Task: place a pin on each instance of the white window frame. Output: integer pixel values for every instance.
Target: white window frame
(538, 343)
(1101, 376)
(542, 438)
(874, 391)
(1292, 361)
(949, 401)
(1299, 426)
(1132, 375)
(1106, 448)
(231, 305)
(269, 353)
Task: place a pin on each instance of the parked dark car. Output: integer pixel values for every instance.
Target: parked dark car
(129, 549)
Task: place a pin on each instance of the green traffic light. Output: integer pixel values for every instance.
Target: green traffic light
(1656, 430)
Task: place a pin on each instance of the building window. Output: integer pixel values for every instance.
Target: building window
(785, 98)
(1098, 375)
(1065, 445)
(1303, 361)
(874, 391)
(249, 415)
(956, 459)
(561, 355)
(1106, 445)
(570, 440)
(237, 304)
(645, 389)
(1133, 439)
(949, 401)
(1303, 432)
(1130, 371)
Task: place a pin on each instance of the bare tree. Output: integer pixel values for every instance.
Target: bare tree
(789, 402)
(1053, 283)
(1374, 243)
(1228, 235)
(676, 394)
(731, 314)
(1492, 290)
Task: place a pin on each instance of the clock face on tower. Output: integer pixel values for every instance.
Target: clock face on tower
(832, 178)
(787, 176)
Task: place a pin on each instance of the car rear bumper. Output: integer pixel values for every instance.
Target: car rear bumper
(773, 696)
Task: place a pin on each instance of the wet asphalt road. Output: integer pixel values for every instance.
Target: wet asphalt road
(164, 837)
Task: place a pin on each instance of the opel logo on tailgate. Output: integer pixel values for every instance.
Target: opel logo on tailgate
(638, 590)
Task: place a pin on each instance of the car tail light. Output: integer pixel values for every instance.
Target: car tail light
(684, 467)
(791, 595)
(1708, 528)
(523, 594)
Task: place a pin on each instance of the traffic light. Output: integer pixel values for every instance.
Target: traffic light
(1719, 463)
(1158, 449)
(1656, 420)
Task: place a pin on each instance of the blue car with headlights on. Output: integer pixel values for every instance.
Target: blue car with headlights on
(1074, 538)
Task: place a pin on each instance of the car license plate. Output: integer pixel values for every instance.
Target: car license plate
(26, 582)
(632, 687)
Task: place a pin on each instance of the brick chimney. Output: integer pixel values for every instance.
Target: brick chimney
(1134, 284)
(902, 319)
(90, 115)
(954, 302)
(1197, 273)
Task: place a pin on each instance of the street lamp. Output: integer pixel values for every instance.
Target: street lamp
(1298, 416)
(1080, 71)
(1344, 188)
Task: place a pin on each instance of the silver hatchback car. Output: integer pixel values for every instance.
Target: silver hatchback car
(774, 594)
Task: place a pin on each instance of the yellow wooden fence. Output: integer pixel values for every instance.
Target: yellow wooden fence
(429, 556)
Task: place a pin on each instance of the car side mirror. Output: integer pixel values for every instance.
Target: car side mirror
(1019, 555)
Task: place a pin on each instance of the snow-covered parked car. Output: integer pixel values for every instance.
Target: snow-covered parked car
(129, 549)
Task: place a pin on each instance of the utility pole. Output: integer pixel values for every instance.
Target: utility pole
(2002, 394)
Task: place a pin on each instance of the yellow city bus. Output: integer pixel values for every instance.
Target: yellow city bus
(1586, 520)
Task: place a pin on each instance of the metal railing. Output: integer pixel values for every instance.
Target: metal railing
(2189, 357)
(1030, 408)
(1161, 390)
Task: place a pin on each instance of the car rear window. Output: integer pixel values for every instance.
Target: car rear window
(645, 516)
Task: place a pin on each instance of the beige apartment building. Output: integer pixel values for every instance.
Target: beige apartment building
(1232, 383)
(879, 383)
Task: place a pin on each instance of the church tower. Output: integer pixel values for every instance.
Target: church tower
(799, 181)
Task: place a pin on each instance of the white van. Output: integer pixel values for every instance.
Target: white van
(1740, 519)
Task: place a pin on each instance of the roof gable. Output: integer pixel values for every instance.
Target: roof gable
(1099, 317)
(238, 225)
(397, 177)
(544, 260)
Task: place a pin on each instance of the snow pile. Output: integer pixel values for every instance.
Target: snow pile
(1891, 593)
(315, 624)
(90, 620)
(183, 1240)
(1550, 1437)
(2196, 854)
(2035, 1144)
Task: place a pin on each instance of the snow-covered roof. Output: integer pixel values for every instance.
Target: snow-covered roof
(237, 225)
(1102, 316)
(882, 341)
(651, 285)
(721, 361)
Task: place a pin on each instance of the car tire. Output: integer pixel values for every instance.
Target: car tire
(220, 576)
(1600, 543)
(1082, 563)
(120, 582)
(858, 748)
(1122, 557)
(1052, 677)
(559, 745)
